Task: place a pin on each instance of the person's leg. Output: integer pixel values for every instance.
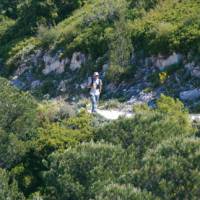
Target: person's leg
(97, 100)
(93, 101)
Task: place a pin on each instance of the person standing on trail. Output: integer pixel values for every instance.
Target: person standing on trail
(95, 85)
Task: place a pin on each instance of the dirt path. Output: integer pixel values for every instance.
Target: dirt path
(115, 114)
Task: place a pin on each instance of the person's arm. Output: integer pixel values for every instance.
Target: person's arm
(101, 86)
(89, 84)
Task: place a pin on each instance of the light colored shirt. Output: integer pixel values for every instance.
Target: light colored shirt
(94, 90)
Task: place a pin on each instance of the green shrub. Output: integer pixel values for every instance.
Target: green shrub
(170, 26)
(17, 111)
(71, 131)
(171, 171)
(5, 24)
(18, 123)
(8, 188)
(123, 192)
(17, 50)
(12, 149)
(111, 104)
(148, 127)
(114, 73)
(82, 171)
(47, 35)
(58, 110)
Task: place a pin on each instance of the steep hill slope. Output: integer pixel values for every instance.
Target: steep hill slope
(150, 46)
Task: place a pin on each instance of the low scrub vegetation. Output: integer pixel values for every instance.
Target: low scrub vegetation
(47, 155)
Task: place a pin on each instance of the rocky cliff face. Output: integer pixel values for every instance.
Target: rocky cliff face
(35, 70)
(172, 75)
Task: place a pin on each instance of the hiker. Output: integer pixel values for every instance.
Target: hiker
(95, 85)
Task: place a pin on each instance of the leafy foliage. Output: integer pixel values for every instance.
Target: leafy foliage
(74, 173)
(171, 26)
(46, 147)
(124, 192)
(9, 189)
(171, 170)
(68, 132)
(17, 111)
(17, 123)
(148, 127)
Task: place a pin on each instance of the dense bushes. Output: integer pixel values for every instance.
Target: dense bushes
(51, 156)
(59, 135)
(171, 171)
(47, 148)
(155, 27)
(28, 134)
(82, 171)
(9, 8)
(17, 111)
(8, 188)
(148, 128)
(90, 26)
(124, 192)
(5, 23)
(18, 122)
(171, 26)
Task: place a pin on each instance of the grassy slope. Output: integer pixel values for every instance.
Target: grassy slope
(170, 26)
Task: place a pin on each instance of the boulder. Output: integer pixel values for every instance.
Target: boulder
(190, 66)
(141, 98)
(21, 69)
(17, 83)
(77, 60)
(35, 84)
(193, 69)
(195, 72)
(62, 87)
(190, 95)
(54, 64)
(162, 62)
(37, 55)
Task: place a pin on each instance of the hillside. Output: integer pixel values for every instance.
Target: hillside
(148, 55)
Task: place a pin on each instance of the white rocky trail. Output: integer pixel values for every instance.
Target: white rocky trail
(115, 114)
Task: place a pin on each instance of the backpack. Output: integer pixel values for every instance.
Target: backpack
(98, 85)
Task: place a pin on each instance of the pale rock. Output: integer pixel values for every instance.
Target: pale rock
(35, 57)
(14, 77)
(111, 87)
(77, 86)
(142, 97)
(46, 96)
(190, 66)
(84, 85)
(77, 60)
(21, 69)
(161, 62)
(17, 83)
(35, 84)
(196, 72)
(54, 64)
(193, 69)
(62, 86)
(47, 59)
(133, 58)
(190, 95)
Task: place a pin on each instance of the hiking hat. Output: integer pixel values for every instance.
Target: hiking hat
(96, 73)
